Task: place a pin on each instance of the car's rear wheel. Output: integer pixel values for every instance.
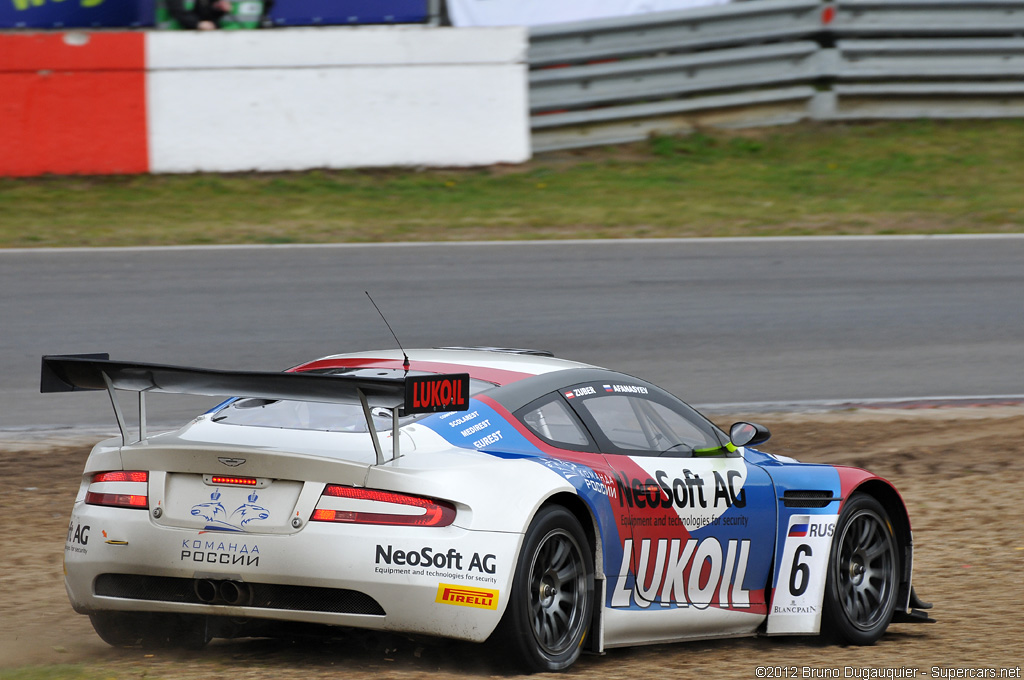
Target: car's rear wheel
(863, 573)
(129, 629)
(549, 610)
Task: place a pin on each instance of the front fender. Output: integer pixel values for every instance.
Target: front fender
(810, 498)
(855, 480)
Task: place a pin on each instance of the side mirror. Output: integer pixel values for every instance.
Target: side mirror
(748, 434)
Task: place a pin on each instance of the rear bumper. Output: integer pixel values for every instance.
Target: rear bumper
(438, 581)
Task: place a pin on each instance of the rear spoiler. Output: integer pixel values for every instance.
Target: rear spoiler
(403, 395)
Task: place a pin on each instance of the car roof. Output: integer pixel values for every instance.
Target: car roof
(497, 366)
(520, 377)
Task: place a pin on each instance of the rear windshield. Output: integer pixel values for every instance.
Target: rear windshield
(315, 415)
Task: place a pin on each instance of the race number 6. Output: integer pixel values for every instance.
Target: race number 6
(802, 573)
(800, 570)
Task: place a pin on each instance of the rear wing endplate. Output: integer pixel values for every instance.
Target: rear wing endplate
(403, 395)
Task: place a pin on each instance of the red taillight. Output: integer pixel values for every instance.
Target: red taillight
(133, 495)
(120, 500)
(233, 481)
(432, 513)
(121, 476)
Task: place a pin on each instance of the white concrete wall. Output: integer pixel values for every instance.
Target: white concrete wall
(339, 97)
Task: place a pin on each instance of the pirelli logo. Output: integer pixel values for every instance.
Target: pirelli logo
(467, 596)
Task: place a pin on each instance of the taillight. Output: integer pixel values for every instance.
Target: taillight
(355, 505)
(233, 481)
(119, 489)
(121, 476)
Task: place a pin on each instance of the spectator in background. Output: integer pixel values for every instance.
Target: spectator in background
(265, 20)
(203, 15)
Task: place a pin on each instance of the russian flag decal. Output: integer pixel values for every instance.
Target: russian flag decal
(798, 530)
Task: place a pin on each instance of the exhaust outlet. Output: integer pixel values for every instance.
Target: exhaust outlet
(234, 593)
(205, 590)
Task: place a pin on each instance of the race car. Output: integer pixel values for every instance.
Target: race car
(468, 493)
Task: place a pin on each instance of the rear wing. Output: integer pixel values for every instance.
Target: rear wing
(403, 395)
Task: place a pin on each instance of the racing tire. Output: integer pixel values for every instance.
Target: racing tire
(151, 630)
(863, 573)
(550, 607)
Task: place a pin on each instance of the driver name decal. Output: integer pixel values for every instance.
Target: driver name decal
(628, 389)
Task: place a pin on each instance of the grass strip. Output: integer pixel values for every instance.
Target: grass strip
(881, 178)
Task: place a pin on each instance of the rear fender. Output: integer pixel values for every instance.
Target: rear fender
(585, 514)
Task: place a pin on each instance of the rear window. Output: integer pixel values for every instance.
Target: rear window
(553, 421)
(320, 416)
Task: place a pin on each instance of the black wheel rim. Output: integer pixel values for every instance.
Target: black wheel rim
(558, 593)
(866, 570)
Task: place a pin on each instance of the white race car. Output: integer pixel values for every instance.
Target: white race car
(467, 493)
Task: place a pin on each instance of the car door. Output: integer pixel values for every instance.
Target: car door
(701, 520)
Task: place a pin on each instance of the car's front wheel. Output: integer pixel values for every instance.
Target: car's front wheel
(549, 610)
(863, 573)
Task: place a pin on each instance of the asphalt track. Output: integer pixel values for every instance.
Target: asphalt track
(716, 321)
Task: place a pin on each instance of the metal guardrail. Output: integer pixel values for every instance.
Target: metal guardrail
(922, 78)
(925, 59)
(920, 100)
(767, 62)
(634, 122)
(949, 18)
(684, 30)
(661, 77)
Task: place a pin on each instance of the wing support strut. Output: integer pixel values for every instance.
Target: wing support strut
(119, 414)
(377, 448)
(117, 408)
(369, 426)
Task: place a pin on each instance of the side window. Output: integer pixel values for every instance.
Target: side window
(553, 421)
(620, 421)
(640, 420)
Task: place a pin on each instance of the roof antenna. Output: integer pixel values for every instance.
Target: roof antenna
(405, 364)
